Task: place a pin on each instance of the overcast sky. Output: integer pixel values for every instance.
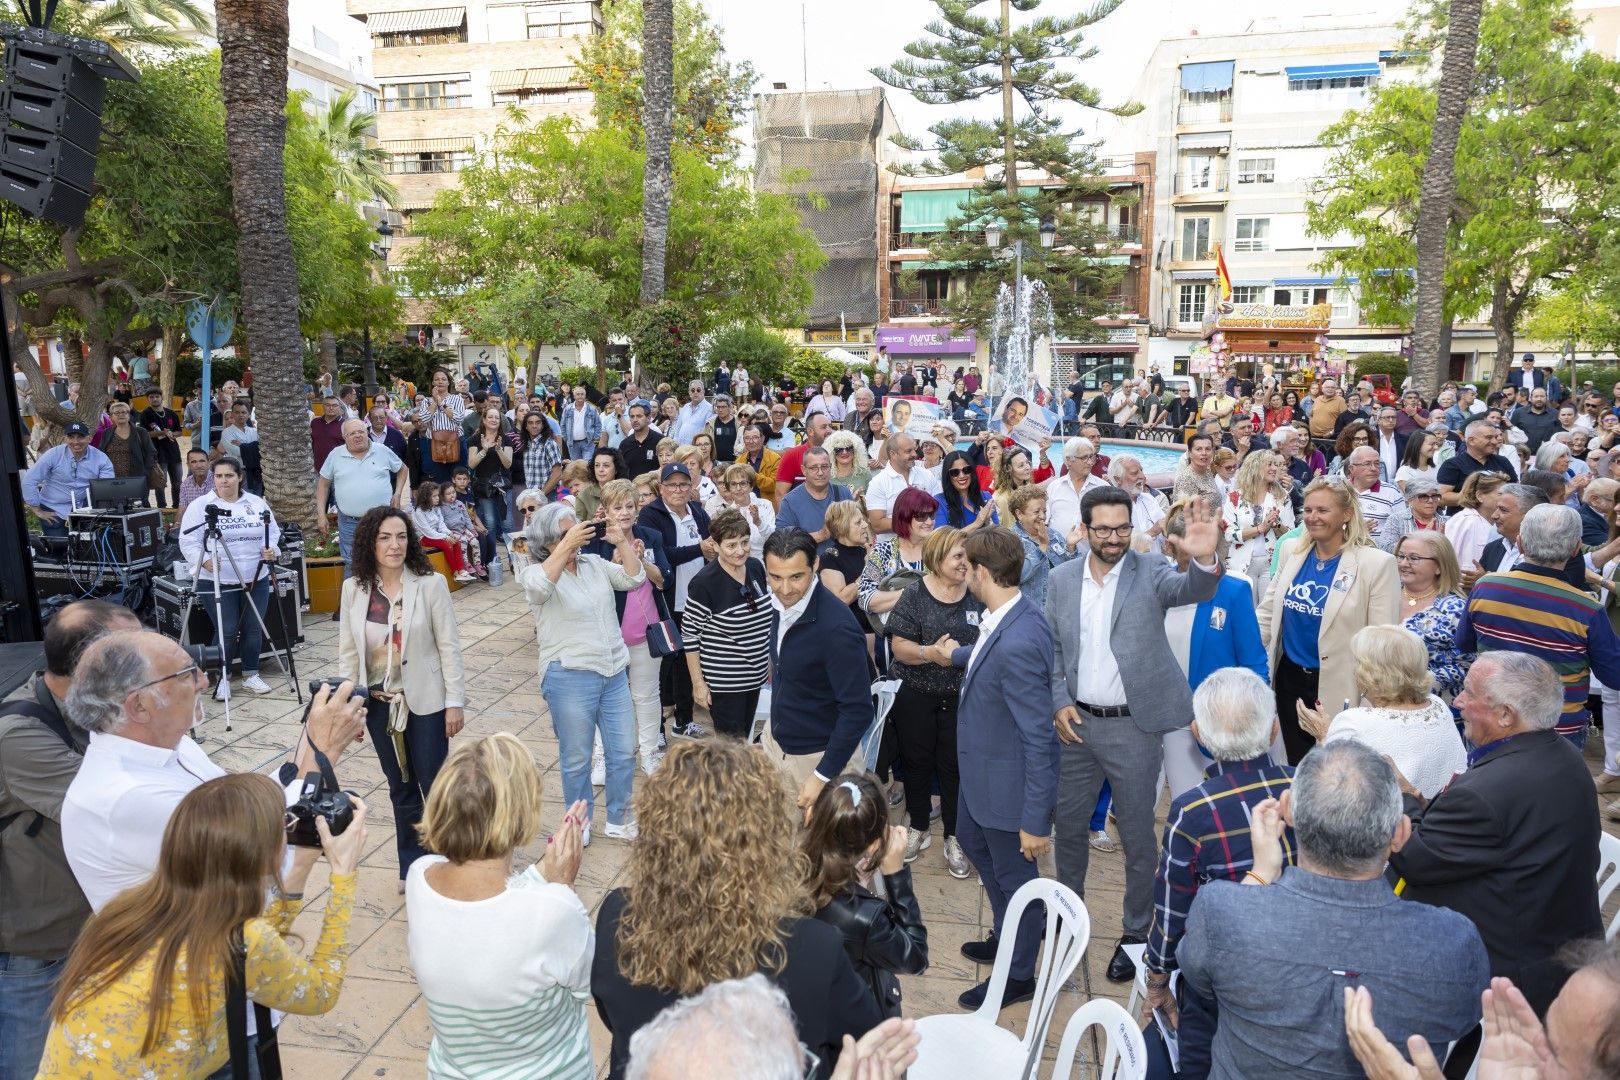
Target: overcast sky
(846, 38)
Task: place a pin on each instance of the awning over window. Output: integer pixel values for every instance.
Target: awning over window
(428, 146)
(1212, 77)
(559, 77)
(928, 211)
(1307, 281)
(1331, 71)
(412, 22)
(1192, 275)
(1209, 140)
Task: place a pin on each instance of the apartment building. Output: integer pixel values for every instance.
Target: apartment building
(446, 76)
(919, 208)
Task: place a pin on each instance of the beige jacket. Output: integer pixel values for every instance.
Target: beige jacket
(430, 645)
(1366, 591)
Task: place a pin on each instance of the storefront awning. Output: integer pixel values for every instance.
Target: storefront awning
(1097, 347)
(559, 77)
(428, 146)
(1209, 140)
(411, 22)
(1211, 77)
(1192, 275)
(1332, 71)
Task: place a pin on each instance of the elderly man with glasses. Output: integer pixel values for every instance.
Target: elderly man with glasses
(1378, 499)
(1065, 492)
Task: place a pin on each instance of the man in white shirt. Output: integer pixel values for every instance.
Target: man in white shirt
(1377, 499)
(1063, 492)
(136, 692)
(1124, 404)
(692, 417)
(901, 472)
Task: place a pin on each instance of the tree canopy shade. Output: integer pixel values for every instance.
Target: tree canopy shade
(1035, 169)
(1536, 204)
(553, 196)
(711, 94)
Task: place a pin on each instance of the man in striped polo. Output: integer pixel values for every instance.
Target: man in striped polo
(1532, 609)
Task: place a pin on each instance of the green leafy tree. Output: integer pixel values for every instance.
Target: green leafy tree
(553, 194)
(762, 351)
(531, 307)
(711, 93)
(1535, 199)
(665, 342)
(1036, 170)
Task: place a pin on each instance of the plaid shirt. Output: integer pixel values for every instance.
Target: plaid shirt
(539, 458)
(1206, 838)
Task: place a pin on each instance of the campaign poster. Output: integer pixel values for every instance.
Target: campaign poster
(1025, 423)
(916, 416)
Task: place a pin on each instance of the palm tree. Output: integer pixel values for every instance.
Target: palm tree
(253, 80)
(1436, 195)
(347, 133)
(658, 121)
(154, 23)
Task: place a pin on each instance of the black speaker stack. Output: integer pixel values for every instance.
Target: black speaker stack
(50, 108)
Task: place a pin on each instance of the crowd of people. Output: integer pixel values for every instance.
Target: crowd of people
(784, 646)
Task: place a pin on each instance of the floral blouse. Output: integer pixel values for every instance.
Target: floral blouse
(1437, 626)
(101, 1038)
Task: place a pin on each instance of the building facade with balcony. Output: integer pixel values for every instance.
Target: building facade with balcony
(1234, 123)
(446, 76)
(914, 285)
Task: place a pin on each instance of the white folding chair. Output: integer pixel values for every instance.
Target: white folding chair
(1124, 1055)
(1608, 877)
(954, 1045)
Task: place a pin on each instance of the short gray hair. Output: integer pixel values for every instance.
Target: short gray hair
(1347, 805)
(1526, 684)
(1116, 466)
(108, 670)
(818, 451)
(1550, 535)
(1073, 446)
(546, 527)
(1551, 451)
(1235, 709)
(1528, 496)
(1283, 434)
(1480, 427)
(1419, 486)
(739, 1029)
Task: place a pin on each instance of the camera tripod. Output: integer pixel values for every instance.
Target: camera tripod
(212, 544)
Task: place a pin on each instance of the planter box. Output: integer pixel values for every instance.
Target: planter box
(325, 577)
(441, 566)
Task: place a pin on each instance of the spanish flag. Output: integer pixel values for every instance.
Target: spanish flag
(1223, 279)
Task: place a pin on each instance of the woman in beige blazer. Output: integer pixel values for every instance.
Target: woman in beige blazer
(397, 636)
(1329, 584)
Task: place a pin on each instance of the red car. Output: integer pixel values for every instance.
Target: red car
(1384, 390)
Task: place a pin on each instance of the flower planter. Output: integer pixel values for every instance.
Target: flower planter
(441, 566)
(325, 576)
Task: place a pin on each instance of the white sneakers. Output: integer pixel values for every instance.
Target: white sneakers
(255, 684)
(627, 831)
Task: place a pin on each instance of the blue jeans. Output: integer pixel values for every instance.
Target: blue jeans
(426, 747)
(581, 703)
(581, 449)
(27, 986)
(53, 528)
(346, 527)
(234, 619)
(491, 512)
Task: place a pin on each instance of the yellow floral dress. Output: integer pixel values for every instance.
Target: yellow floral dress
(101, 1038)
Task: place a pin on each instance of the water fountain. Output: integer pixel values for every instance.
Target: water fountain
(1023, 319)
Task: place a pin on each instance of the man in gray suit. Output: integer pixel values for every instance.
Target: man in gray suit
(1114, 696)
(1006, 751)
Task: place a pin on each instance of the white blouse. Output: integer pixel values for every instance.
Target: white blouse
(1423, 743)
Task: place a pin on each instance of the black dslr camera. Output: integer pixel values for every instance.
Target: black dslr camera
(320, 796)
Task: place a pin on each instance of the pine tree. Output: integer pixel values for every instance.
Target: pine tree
(1035, 170)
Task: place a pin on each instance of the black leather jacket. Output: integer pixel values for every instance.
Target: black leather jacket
(883, 938)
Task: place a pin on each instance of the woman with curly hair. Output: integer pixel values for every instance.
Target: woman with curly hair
(397, 637)
(714, 890)
(1356, 433)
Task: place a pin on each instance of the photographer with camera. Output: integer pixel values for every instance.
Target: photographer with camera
(42, 908)
(137, 694)
(147, 989)
(235, 535)
(397, 640)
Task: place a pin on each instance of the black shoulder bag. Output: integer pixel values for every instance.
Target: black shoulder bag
(266, 1050)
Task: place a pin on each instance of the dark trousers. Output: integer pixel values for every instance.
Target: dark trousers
(426, 747)
(1294, 683)
(170, 496)
(733, 711)
(239, 631)
(925, 725)
(1003, 869)
(675, 683)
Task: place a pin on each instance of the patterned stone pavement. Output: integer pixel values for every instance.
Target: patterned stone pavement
(380, 1027)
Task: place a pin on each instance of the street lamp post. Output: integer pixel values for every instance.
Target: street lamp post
(368, 362)
(992, 240)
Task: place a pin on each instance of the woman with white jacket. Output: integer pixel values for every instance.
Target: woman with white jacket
(249, 534)
(397, 637)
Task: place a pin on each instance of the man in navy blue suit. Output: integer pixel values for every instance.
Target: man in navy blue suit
(1007, 751)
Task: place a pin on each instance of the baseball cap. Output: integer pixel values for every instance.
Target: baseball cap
(76, 427)
(672, 468)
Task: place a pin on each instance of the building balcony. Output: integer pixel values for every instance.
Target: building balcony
(1121, 234)
(916, 307)
(1202, 251)
(1205, 112)
(1203, 185)
(910, 241)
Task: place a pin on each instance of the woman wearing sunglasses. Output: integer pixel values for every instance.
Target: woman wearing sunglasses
(962, 504)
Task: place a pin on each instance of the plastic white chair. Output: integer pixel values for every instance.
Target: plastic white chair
(954, 1046)
(1124, 1055)
(1608, 877)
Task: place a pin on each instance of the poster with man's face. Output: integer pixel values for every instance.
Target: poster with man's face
(913, 416)
(1024, 422)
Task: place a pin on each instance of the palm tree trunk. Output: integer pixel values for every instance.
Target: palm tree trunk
(253, 77)
(1437, 190)
(658, 120)
(174, 340)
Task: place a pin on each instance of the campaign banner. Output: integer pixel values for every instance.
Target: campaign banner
(1024, 423)
(916, 416)
(926, 340)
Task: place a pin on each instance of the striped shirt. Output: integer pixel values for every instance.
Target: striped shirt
(1531, 609)
(505, 979)
(729, 624)
(1206, 838)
